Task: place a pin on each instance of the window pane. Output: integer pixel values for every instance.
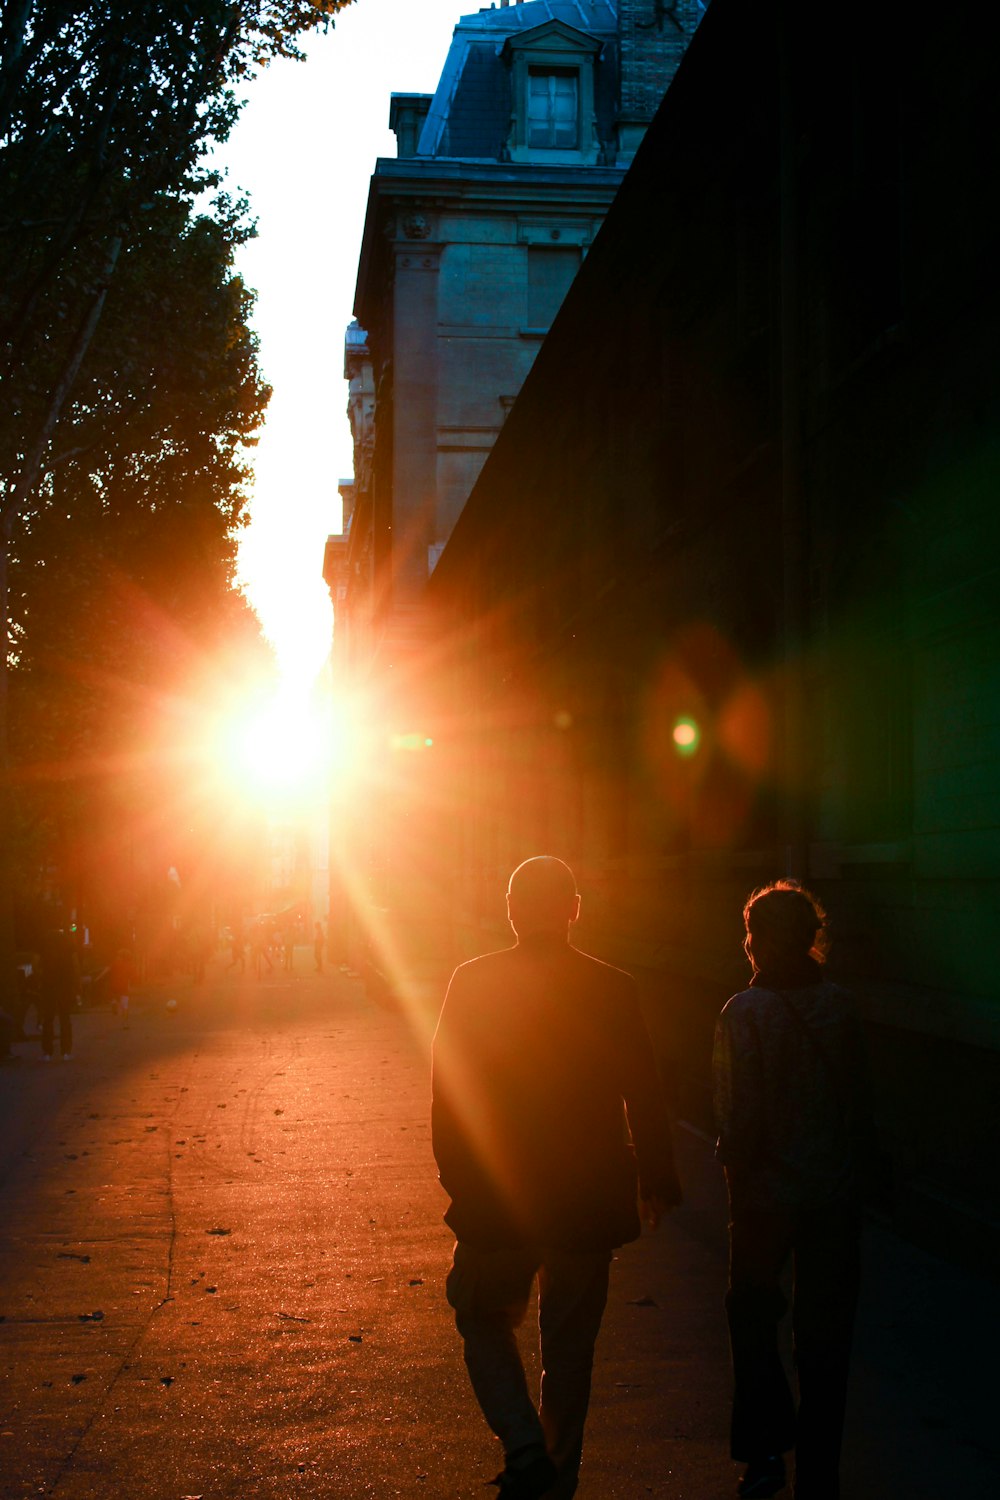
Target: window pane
(552, 110)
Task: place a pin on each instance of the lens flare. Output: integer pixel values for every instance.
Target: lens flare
(411, 742)
(745, 730)
(686, 736)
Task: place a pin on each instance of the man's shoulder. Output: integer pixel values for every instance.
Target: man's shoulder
(483, 965)
(588, 969)
(600, 972)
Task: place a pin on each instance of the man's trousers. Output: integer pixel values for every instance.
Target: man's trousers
(490, 1291)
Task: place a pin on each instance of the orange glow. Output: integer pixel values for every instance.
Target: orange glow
(271, 747)
(283, 747)
(675, 713)
(745, 730)
(343, 740)
(708, 736)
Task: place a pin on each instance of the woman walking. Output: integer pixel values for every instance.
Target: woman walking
(794, 1123)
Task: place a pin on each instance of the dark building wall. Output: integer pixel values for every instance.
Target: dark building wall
(472, 237)
(751, 483)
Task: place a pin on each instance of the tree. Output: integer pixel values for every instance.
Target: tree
(124, 615)
(106, 114)
(102, 109)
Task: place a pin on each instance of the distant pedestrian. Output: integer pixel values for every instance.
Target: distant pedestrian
(261, 938)
(200, 943)
(121, 977)
(792, 1108)
(318, 946)
(237, 948)
(59, 988)
(8, 1031)
(542, 1070)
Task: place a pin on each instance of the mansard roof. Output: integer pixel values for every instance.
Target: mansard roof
(552, 33)
(470, 115)
(585, 15)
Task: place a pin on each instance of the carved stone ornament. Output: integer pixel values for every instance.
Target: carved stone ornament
(416, 226)
(662, 12)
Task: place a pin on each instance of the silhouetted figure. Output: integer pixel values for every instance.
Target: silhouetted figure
(59, 985)
(261, 938)
(539, 1052)
(792, 1108)
(121, 977)
(8, 1031)
(318, 946)
(199, 946)
(237, 949)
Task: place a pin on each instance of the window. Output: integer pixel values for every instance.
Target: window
(550, 273)
(553, 109)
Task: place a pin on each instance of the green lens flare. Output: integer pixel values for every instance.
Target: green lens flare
(686, 736)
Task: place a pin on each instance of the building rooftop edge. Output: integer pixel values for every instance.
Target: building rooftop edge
(458, 167)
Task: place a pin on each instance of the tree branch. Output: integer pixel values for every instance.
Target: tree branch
(32, 465)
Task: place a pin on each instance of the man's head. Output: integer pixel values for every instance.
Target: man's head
(542, 897)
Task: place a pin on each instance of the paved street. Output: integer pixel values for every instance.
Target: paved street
(221, 1276)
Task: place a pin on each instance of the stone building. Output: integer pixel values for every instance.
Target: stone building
(724, 603)
(473, 234)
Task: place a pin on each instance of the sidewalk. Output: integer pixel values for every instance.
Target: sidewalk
(221, 1275)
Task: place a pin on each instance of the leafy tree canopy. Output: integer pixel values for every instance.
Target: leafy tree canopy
(124, 616)
(129, 383)
(103, 109)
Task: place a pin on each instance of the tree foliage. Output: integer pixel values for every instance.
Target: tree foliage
(122, 577)
(129, 383)
(103, 109)
(125, 620)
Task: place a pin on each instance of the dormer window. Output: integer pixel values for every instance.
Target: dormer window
(553, 108)
(552, 95)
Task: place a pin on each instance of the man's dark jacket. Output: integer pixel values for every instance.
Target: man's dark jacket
(543, 1069)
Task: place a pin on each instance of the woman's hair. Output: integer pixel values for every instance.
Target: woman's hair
(788, 920)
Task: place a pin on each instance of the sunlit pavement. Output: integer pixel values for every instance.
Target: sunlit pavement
(221, 1276)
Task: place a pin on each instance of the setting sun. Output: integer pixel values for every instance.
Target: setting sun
(279, 747)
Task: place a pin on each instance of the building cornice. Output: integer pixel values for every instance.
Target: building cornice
(449, 169)
(448, 183)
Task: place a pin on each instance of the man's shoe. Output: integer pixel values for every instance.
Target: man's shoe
(527, 1481)
(763, 1477)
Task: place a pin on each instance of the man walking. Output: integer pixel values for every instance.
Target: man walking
(542, 1070)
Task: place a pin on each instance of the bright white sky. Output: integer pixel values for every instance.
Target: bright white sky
(304, 151)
